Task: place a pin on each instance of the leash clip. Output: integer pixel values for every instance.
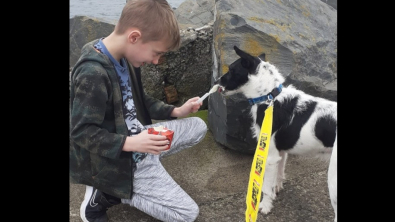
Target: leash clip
(269, 100)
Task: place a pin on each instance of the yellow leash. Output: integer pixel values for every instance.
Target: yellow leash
(258, 166)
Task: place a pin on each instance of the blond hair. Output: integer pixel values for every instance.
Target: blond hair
(154, 18)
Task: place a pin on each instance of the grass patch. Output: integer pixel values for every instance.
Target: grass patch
(202, 114)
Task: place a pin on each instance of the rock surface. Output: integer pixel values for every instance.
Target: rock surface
(84, 29)
(195, 13)
(188, 69)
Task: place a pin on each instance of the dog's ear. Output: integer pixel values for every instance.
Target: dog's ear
(263, 57)
(247, 61)
(241, 53)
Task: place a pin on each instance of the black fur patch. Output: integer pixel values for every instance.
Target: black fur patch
(325, 130)
(232, 81)
(287, 134)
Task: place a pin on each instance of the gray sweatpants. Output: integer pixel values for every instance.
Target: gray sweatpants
(155, 191)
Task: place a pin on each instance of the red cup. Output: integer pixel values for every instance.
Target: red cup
(161, 130)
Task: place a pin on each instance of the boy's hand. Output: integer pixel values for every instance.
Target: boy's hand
(146, 143)
(190, 106)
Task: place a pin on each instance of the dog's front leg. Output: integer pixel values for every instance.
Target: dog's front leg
(269, 180)
(332, 178)
(281, 171)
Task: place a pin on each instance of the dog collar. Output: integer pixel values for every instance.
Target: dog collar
(269, 96)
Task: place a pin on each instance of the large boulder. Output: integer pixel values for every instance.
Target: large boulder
(298, 37)
(185, 73)
(332, 3)
(195, 13)
(84, 29)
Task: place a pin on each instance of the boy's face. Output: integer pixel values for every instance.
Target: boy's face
(145, 53)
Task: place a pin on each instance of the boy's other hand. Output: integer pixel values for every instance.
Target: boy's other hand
(146, 143)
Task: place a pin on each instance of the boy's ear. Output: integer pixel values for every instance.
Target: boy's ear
(134, 35)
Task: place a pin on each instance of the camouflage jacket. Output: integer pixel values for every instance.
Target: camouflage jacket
(97, 127)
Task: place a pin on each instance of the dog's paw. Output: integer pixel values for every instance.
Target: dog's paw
(279, 184)
(265, 206)
(279, 187)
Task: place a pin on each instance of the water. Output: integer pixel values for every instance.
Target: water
(108, 9)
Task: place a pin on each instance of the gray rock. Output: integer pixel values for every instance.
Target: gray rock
(298, 37)
(84, 29)
(187, 69)
(195, 13)
(332, 3)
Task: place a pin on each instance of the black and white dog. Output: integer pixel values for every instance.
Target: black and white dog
(302, 124)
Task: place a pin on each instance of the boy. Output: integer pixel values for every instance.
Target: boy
(111, 151)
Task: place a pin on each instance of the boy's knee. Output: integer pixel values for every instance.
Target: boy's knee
(192, 213)
(199, 124)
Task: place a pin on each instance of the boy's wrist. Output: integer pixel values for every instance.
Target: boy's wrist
(126, 146)
(175, 112)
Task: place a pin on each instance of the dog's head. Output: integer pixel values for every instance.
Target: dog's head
(249, 75)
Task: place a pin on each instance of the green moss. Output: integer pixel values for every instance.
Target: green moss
(202, 114)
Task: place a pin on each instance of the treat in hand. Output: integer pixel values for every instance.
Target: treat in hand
(162, 130)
